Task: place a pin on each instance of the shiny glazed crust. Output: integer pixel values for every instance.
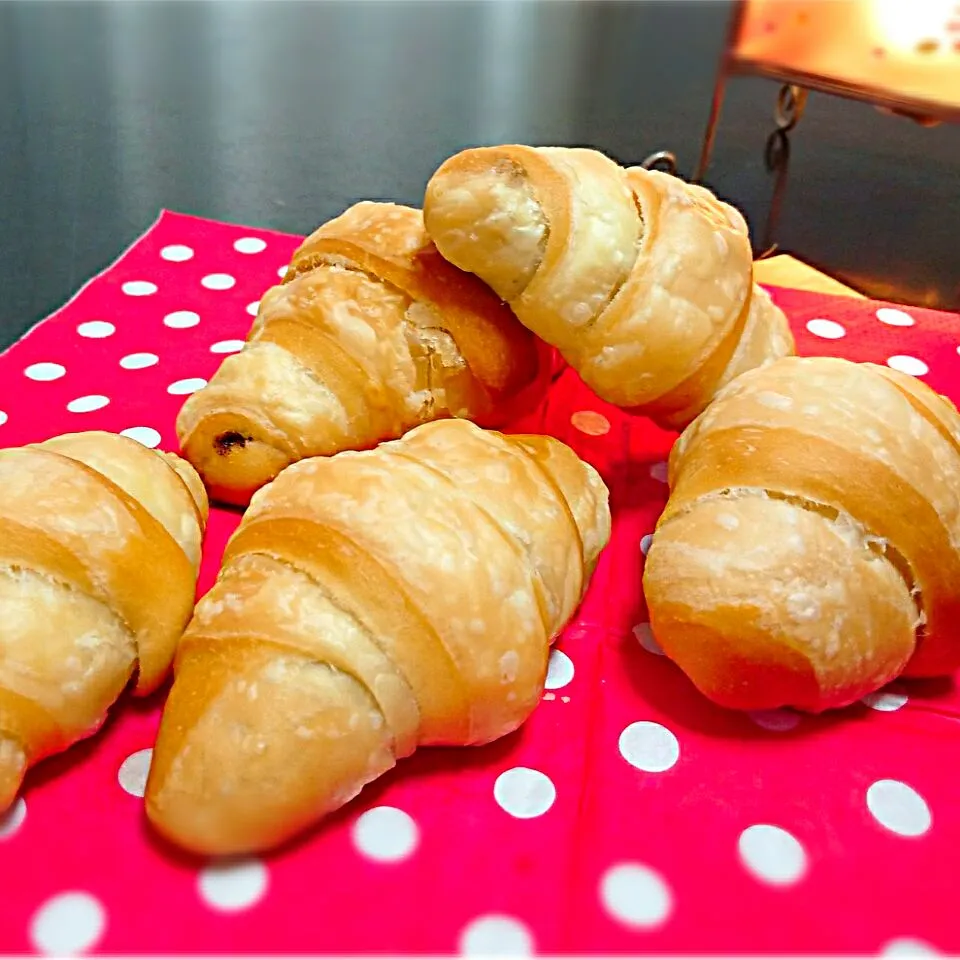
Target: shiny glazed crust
(369, 603)
(644, 283)
(810, 549)
(99, 551)
(371, 333)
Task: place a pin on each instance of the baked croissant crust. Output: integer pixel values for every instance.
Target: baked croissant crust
(371, 333)
(99, 551)
(643, 283)
(370, 603)
(810, 549)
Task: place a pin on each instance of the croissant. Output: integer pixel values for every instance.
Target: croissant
(642, 282)
(99, 551)
(371, 333)
(808, 553)
(370, 603)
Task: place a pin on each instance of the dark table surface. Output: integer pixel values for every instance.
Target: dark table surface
(280, 114)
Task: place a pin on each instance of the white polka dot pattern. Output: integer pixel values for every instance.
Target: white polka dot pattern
(648, 641)
(590, 423)
(44, 372)
(524, 793)
(139, 288)
(250, 245)
(894, 318)
(772, 854)
(385, 834)
(145, 435)
(659, 471)
(181, 319)
(68, 924)
(12, 820)
(218, 281)
(635, 895)
(914, 366)
(233, 886)
(3, 417)
(649, 746)
(899, 808)
(189, 385)
(886, 701)
(177, 253)
(94, 401)
(496, 936)
(908, 947)
(779, 721)
(826, 329)
(138, 361)
(227, 346)
(96, 329)
(133, 772)
(559, 670)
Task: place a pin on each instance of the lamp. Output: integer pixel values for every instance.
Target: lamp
(902, 56)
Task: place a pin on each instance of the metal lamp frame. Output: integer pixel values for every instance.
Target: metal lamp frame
(793, 94)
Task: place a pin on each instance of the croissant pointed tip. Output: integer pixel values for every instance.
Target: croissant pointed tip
(13, 767)
(183, 832)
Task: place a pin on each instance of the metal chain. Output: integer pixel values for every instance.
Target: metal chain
(791, 101)
(661, 160)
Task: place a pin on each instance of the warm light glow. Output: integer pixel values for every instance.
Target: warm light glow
(899, 51)
(906, 24)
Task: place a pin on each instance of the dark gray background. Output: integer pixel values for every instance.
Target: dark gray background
(280, 114)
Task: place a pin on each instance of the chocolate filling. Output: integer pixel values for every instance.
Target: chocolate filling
(227, 441)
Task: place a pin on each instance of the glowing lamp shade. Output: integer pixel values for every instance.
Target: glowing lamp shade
(903, 54)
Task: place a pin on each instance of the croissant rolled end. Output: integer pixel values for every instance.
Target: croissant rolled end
(759, 627)
(193, 483)
(234, 464)
(464, 208)
(13, 768)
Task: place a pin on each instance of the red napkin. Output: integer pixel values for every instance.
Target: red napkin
(628, 815)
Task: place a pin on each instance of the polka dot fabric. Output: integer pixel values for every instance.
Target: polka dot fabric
(628, 815)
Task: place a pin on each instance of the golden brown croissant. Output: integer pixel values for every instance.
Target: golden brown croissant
(370, 603)
(99, 552)
(644, 283)
(371, 333)
(810, 549)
